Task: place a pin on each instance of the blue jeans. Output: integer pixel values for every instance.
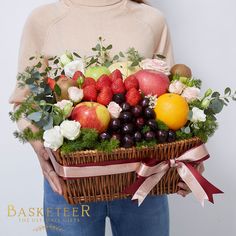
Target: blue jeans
(88, 219)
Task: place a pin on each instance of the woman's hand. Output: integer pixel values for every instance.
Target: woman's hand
(184, 191)
(46, 166)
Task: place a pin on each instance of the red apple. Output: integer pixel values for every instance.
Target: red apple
(152, 82)
(91, 115)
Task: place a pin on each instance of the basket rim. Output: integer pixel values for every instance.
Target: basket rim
(121, 149)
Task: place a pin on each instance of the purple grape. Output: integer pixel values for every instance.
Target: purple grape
(125, 106)
(150, 135)
(162, 136)
(126, 116)
(138, 136)
(149, 113)
(152, 124)
(140, 122)
(105, 136)
(137, 111)
(128, 128)
(145, 102)
(119, 98)
(127, 141)
(115, 124)
(171, 136)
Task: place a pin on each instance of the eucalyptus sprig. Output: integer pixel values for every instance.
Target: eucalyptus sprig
(102, 56)
(134, 56)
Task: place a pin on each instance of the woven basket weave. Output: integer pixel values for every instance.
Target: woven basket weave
(110, 187)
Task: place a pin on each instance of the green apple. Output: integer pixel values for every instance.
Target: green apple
(125, 68)
(97, 71)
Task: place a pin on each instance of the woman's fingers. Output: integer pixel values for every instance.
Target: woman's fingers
(55, 180)
(51, 176)
(53, 186)
(184, 191)
(40, 149)
(46, 166)
(200, 167)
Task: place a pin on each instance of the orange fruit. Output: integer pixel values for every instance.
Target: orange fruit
(172, 109)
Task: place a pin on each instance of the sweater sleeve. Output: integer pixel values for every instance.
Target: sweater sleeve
(164, 46)
(31, 44)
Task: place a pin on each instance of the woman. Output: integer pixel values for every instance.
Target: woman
(75, 25)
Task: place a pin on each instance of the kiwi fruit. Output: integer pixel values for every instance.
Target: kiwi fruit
(181, 70)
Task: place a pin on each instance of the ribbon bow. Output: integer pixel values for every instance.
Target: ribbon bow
(151, 172)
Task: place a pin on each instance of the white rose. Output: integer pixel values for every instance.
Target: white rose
(191, 93)
(74, 66)
(70, 129)
(176, 87)
(65, 59)
(114, 109)
(53, 138)
(155, 64)
(75, 94)
(66, 106)
(198, 115)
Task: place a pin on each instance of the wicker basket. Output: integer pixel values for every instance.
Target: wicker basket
(110, 187)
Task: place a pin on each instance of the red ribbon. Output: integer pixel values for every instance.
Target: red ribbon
(151, 172)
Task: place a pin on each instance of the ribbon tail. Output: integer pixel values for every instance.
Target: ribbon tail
(133, 187)
(143, 185)
(208, 187)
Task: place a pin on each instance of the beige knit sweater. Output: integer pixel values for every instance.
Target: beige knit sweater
(75, 25)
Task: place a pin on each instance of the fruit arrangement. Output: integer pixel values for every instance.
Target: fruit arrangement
(103, 102)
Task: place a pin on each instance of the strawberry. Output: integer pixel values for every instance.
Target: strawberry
(115, 75)
(90, 93)
(88, 81)
(118, 86)
(103, 81)
(77, 74)
(133, 97)
(105, 96)
(131, 82)
(51, 83)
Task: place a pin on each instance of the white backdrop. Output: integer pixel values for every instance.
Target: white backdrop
(203, 34)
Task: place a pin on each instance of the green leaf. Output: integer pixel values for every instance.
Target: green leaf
(76, 54)
(56, 61)
(31, 58)
(57, 89)
(116, 57)
(109, 47)
(226, 99)
(228, 91)
(121, 54)
(187, 130)
(216, 105)
(215, 95)
(98, 47)
(190, 115)
(35, 116)
(39, 65)
(162, 126)
(49, 123)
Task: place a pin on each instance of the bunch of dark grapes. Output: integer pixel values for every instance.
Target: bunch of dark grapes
(136, 124)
